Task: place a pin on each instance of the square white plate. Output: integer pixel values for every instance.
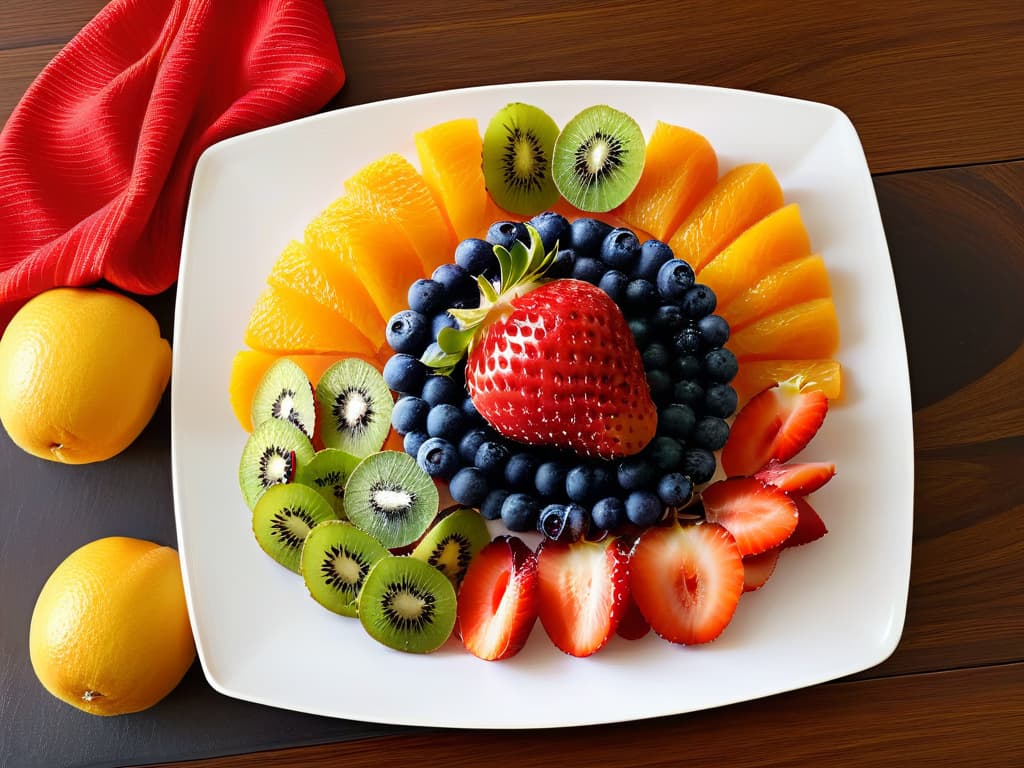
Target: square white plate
(831, 609)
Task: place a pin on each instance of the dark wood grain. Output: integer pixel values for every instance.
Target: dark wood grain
(970, 717)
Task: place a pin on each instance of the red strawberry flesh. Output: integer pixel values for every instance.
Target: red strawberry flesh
(796, 479)
(498, 599)
(810, 527)
(558, 366)
(757, 569)
(687, 580)
(583, 592)
(759, 516)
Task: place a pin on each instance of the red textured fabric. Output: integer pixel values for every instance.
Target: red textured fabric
(96, 159)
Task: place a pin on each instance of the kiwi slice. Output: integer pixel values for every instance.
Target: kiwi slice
(326, 473)
(517, 151)
(453, 542)
(271, 456)
(285, 393)
(336, 558)
(353, 407)
(284, 516)
(598, 158)
(407, 605)
(391, 498)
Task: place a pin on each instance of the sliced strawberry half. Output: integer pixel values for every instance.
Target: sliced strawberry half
(757, 569)
(583, 592)
(810, 527)
(498, 599)
(796, 479)
(687, 580)
(759, 516)
(633, 625)
(776, 424)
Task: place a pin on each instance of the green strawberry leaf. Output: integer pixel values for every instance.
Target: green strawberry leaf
(455, 342)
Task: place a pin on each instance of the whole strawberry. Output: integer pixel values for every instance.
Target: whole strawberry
(552, 363)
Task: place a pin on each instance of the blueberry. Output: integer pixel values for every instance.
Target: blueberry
(613, 282)
(490, 509)
(588, 270)
(586, 236)
(641, 331)
(550, 479)
(505, 233)
(620, 249)
(660, 385)
(551, 227)
(711, 432)
(470, 412)
(427, 297)
(469, 486)
(404, 373)
(562, 522)
(641, 295)
(586, 482)
(561, 265)
(491, 458)
(699, 465)
(698, 302)
(461, 286)
(470, 444)
(675, 278)
(687, 341)
(653, 255)
(676, 420)
(643, 508)
(685, 367)
(446, 420)
(438, 389)
(408, 331)
(438, 458)
(674, 489)
(609, 513)
(636, 472)
(714, 330)
(720, 365)
(720, 400)
(655, 357)
(669, 319)
(477, 257)
(665, 453)
(519, 512)
(520, 471)
(442, 320)
(413, 440)
(409, 415)
(688, 392)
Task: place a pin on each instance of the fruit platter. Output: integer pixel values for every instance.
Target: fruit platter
(535, 393)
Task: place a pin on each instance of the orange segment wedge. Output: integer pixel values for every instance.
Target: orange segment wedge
(792, 283)
(680, 168)
(379, 253)
(396, 192)
(756, 375)
(450, 155)
(807, 331)
(740, 198)
(284, 322)
(775, 239)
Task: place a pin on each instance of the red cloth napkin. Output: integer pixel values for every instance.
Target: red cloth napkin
(96, 159)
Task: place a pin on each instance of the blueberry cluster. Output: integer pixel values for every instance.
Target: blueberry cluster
(559, 493)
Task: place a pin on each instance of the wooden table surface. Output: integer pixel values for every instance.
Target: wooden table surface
(936, 91)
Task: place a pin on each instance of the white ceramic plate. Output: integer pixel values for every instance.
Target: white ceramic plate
(831, 609)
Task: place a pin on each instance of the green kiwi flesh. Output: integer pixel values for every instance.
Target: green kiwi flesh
(353, 407)
(407, 605)
(327, 474)
(517, 153)
(598, 158)
(285, 393)
(336, 557)
(272, 455)
(452, 543)
(391, 498)
(282, 519)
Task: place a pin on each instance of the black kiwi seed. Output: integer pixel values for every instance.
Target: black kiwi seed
(452, 543)
(391, 498)
(272, 455)
(517, 147)
(282, 519)
(353, 407)
(336, 559)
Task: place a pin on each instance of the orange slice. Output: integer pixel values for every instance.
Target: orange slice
(397, 193)
(792, 283)
(807, 331)
(756, 375)
(741, 197)
(775, 239)
(680, 168)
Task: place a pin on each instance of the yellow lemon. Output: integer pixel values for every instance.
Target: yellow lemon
(81, 373)
(110, 631)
